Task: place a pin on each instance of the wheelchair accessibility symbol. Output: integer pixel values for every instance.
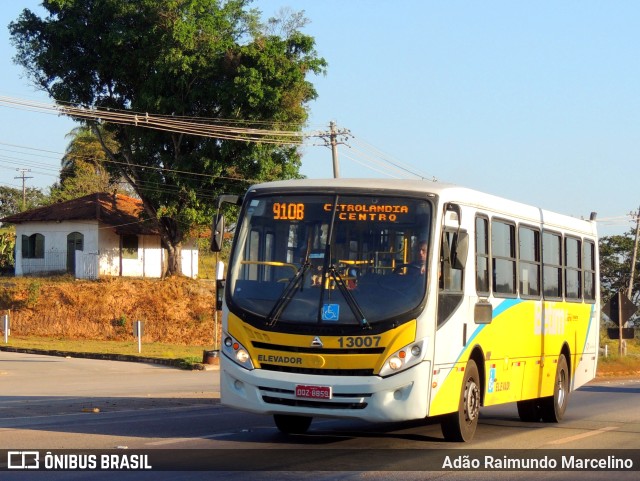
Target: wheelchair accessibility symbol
(330, 312)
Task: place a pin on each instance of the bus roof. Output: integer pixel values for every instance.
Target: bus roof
(446, 192)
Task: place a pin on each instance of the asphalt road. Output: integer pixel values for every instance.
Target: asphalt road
(54, 403)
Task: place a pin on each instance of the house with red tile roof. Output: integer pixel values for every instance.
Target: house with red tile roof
(96, 235)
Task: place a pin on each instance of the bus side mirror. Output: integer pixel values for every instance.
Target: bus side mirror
(217, 233)
(217, 228)
(483, 312)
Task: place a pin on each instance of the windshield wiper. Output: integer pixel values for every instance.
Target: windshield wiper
(287, 295)
(351, 301)
(331, 270)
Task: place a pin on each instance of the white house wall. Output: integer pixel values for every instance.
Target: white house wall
(190, 260)
(109, 249)
(101, 240)
(55, 242)
(148, 263)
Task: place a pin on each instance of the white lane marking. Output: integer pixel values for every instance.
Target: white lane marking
(583, 435)
(184, 440)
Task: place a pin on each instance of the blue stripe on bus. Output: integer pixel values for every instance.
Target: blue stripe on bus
(504, 305)
(499, 309)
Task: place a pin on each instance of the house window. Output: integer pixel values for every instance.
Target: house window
(33, 246)
(129, 246)
(75, 242)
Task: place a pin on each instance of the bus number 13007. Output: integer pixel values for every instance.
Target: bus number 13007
(360, 341)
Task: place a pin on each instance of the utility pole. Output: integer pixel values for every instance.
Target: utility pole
(635, 253)
(332, 139)
(334, 149)
(24, 190)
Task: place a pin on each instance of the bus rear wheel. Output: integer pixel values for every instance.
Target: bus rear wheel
(292, 424)
(553, 407)
(461, 425)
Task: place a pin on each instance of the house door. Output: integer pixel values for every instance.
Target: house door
(75, 242)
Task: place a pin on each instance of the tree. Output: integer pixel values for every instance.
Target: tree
(83, 166)
(210, 59)
(11, 200)
(7, 247)
(616, 253)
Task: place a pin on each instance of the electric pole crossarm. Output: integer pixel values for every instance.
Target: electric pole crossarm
(332, 139)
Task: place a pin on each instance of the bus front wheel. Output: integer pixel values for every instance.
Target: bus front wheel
(291, 424)
(461, 425)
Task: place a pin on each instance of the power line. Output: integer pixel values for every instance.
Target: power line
(223, 129)
(187, 125)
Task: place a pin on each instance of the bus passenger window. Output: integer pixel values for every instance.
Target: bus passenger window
(573, 269)
(482, 256)
(503, 252)
(529, 257)
(589, 265)
(552, 265)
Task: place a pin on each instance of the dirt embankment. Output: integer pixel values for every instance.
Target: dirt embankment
(175, 310)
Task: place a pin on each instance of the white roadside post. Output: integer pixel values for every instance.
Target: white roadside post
(5, 328)
(137, 331)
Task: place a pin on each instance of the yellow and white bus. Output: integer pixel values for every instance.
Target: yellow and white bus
(330, 310)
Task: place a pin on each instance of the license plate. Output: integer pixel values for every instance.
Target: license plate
(313, 392)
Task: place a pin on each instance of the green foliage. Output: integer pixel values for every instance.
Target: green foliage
(7, 248)
(121, 321)
(83, 169)
(33, 293)
(209, 59)
(11, 200)
(616, 253)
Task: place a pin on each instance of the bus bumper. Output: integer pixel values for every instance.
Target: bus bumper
(402, 397)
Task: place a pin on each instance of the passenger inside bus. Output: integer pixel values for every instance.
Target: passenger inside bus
(420, 259)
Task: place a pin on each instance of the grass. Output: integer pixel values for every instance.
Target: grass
(184, 356)
(616, 365)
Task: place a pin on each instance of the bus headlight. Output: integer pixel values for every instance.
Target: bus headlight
(404, 358)
(236, 351)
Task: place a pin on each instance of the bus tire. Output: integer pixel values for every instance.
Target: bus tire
(553, 407)
(530, 410)
(292, 424)
(460, 426)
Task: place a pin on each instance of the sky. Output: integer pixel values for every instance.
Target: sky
(538, 102)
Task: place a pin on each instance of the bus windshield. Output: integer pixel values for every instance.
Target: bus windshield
(330, 259)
